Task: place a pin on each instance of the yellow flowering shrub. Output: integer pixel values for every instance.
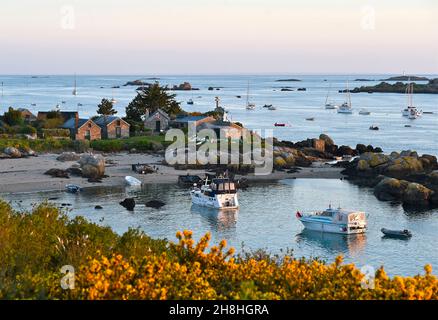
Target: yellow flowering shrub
(190, 272)
(35, 245)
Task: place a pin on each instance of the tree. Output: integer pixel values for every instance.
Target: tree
(105, 108)
(150, 99)
(13, 117)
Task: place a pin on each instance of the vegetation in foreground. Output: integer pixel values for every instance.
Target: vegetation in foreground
(35, 245)
(140, 143)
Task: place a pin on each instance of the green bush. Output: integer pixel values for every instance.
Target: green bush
(55, 132)
(108, 145)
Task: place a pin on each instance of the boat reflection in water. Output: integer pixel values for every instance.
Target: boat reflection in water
(219, 220)
(332, 242)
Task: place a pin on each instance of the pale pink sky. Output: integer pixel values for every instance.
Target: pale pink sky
(212, 36)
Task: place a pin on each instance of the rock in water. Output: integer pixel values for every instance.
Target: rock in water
(12, 152)
(68, 156)
(98, 207)
(155, 204)
(416, 194)
(93, 166)
(128, 203)
(390, 189)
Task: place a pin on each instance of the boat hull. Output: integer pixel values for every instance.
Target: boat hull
(221, 201)
(329, 227)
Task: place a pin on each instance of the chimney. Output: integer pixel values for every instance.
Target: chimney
(76, 121)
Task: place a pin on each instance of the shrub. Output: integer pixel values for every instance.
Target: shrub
(13, 117)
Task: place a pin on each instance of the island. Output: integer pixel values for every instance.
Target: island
(363, 80)
(136, 83)
(399, 87)
(406, 78)
(287, 80)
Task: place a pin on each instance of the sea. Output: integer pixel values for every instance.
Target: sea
(266, 219)
(43, 93)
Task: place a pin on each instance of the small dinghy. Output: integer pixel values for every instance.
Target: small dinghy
(72, 188)
(279, 124)
(397, 233)
(131, 181)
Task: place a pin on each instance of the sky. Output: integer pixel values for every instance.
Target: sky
(218, 36)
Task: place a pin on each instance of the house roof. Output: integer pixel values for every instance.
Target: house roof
(190, 118)
(219, 124)
(158, 112)
(101, 121)
(70, 123)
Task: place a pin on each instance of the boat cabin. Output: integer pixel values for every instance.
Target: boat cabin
(223, 185)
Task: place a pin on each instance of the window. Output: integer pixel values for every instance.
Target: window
(118, 123)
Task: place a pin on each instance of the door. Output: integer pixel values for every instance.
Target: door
(88, 135)
(157, 126)
(118, 132)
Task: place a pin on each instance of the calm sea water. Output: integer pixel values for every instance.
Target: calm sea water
(293, 107)
(267, 220)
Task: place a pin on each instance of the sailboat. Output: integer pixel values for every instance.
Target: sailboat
(411, 111)
(328, 104)
(75, 91)
(113, 100)
(249, 106)
(346, 106)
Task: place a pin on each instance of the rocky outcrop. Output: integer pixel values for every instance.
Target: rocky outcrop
(410, 193)
(399, 87)
(136, 83)
(12, 152)
(404, 176)
(328, 141)
(285, 157)
(93, 166)
(68, 156)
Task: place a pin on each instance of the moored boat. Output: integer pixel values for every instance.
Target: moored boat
(334, 221)
(72, 188)
(396, 233)
(221, 193)
(131, 181)
(279, 124)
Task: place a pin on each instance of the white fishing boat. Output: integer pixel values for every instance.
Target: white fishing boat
(221, 193)
(249, 105)
(411, 111)
(364, 112)
(346, 106)
(131, 181)
(334, 221)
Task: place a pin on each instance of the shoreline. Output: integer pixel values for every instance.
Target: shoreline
(26, 175)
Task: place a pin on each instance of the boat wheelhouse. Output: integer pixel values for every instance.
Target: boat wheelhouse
(334, 221)
(221, 193)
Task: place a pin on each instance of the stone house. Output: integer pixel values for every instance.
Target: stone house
(27, 115)
(83, 129)
(113, 127)
(157, 121)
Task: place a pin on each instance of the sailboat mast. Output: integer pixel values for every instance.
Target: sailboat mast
(328, 92)
(348, 94)
(247, 94)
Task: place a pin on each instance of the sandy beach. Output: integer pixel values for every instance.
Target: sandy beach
(27, 174)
